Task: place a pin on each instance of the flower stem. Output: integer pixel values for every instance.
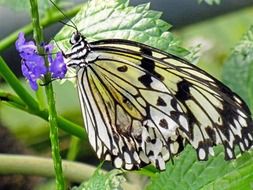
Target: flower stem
(38, 36)
(31, 106)
(60, 182)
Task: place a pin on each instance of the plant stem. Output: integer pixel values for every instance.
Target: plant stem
(31, 165)
(13, 81)
(38, 36)
(74, 148)
(12, 100)
(31, 106)
(40, 98)
(60, 182)
(72, 151)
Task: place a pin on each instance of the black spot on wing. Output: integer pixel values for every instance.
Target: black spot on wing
(148, 64)
(173, 103)
(211, 133)
(183, 90)
(151, 153)
(229, 114)
(181, 142)
(175, 115)
(160, 102)
(122, 68)
(146, 80)
(125, 100)
(153, 141)
(164, 124)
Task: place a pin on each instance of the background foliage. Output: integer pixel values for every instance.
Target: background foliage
(99, 20)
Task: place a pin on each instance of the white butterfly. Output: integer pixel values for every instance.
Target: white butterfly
(142, 105)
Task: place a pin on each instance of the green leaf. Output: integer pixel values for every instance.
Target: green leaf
(194, 55)
(109, 181)
(240, 66)
(115, 19)
(216, 173)
(210, 2)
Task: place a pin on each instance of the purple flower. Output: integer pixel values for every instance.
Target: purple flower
(57, 67)
(22, 45)
(26, 49)
(48, 48)
(33, 65)
(29, 75)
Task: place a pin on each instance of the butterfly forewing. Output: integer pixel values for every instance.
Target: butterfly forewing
(142, 105)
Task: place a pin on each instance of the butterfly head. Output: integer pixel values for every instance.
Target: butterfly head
(76, 37)
(79, 51)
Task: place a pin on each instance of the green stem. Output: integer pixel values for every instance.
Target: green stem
(10, 98)
(31, 106)
(73, 148)
(72, 151)
(45, 21)
(40, 98)
(13, 81)
(60, 182)
(31, 165)
(38, 36)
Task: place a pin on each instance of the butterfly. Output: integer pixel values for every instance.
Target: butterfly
(141, 105)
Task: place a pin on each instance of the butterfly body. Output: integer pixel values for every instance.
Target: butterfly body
(142, 105)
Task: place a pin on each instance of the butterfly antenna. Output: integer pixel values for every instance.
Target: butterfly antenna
(54, 79)
(73, 26)
(57, 45)
(64, 23)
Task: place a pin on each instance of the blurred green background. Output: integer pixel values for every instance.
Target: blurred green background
(216, 35)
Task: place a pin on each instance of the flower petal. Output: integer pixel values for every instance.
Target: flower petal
(33, 70)
(23, 46)
(57, 67)
(33, 85)
(20, 41)
(48, 48)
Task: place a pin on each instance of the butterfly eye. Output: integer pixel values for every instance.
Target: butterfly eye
(75, 38)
